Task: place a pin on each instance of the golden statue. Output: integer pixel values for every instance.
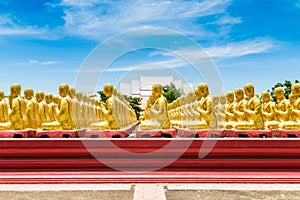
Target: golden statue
(269, 111)
(253, 111)
(32, 109)
(217, 113)
(282, 107)
(56, 101)
(74, 106)
(51, 107)
(229, 111)
(87, 111)
(3, 108)
(294, 101)
(80, 110)
(240, 105)
(23, 104)
(64, 117)
(150, 102)
(16, 121)
(158, 111)
(205, 106)
(296, 104)
(43, 107)
(220, 110)
(110, 122)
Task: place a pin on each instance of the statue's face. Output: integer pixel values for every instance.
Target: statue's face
(249, 91)
(230, 98)
(266, 97)
(62, 92)
(107, 92)
(215, 100)
(48, 99)
(239, 95)
(38, 97)
(156, 92)
(223, 99)
(27, 94)
(296, 90)
(13, 92)
(202, 89)
(279, 94)
(197, 94)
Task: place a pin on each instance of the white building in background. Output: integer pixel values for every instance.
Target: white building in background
(142, 86)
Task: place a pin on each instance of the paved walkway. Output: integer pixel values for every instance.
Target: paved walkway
(147, 191)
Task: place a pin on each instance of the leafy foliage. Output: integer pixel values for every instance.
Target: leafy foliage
(171, 92)
(287, 86)
(102, 96)
(135, 103)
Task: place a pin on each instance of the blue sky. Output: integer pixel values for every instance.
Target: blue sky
(44, 43)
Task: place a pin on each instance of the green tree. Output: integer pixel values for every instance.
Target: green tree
(171, 92)
(287, 86)
(102, 96)
(135, 103)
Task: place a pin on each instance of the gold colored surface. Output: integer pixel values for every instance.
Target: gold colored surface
(158, 111)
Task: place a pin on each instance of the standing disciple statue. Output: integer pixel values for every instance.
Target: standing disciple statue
(158, 112)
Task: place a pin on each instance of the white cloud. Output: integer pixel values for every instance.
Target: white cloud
(96, 19)
(176, 58)
(33, 61)
(9, 27)
(297, 3)
(242, 48)
(228, 20)
(234, 49)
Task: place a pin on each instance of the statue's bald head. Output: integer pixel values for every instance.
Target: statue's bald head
(249, 89)
(156, 90)
(64, 89)
(108, 90)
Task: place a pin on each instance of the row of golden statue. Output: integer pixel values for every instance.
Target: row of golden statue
(72, 110)
(241, 109)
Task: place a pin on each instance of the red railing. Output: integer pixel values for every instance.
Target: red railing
(150, 160)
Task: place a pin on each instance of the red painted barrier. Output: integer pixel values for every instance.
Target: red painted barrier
(234, 160)
(158, 133)
(106, 134)
(57, 134)
(289, 133)
(253, 133)
(17, 134)
(205, 133)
